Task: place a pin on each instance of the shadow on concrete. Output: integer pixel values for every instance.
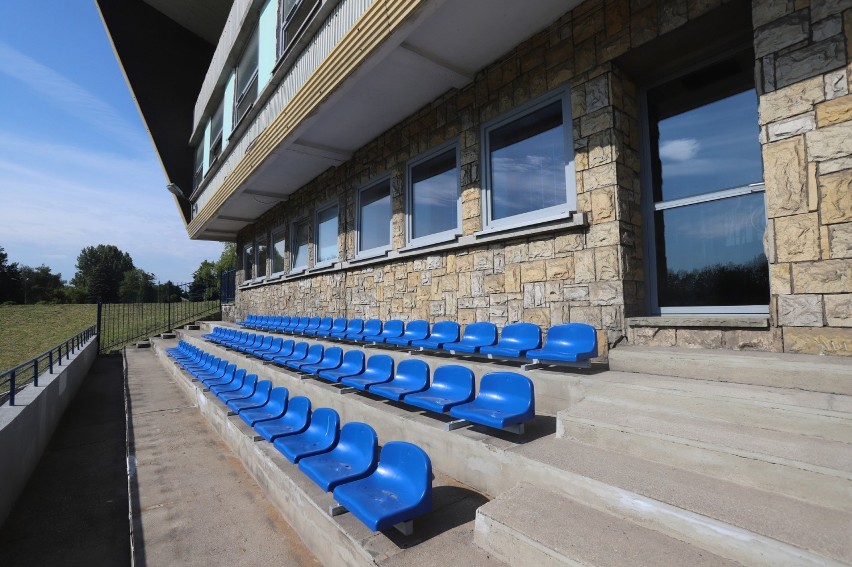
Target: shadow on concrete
(138, 536)
(73, 511)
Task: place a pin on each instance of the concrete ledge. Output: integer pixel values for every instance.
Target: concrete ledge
(26, 427)
(705, 321)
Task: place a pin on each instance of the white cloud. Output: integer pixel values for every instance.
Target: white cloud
(682, 149)
(69, 96)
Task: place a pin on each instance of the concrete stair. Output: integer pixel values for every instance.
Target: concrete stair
(639, 468)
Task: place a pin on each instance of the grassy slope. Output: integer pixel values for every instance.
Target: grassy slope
(29, 330)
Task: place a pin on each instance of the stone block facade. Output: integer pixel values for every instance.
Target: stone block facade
(591, 268)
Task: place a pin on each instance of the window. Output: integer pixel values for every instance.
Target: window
(278, 251)
(248, 261)
(326, 234)
(433, 196)
(300, 240)
(529, 165)
(246, 79)
(199, 166)
(374, 216)
(216, 132)
(261, 249)
(707, 195)
(295, 14)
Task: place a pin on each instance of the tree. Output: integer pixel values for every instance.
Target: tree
(228, 258)
(100, 271)
(137, 285)
(40, 285)
(10, 279)
(205, 282)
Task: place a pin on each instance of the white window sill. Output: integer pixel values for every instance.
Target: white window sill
(431, 240)
(370, 254)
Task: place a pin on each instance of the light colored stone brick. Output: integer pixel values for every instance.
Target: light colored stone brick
(477, 284)
(768, 340)
(818, 340)
(534, 272)
(606, 293)
(542, 248)
(840, 239)
(836, 84)
(813, 60)
(596, 121)
(560, 269)
(588, 315)
(558, 313)
(512, 278)
(699, 338)
(785, 178)
(576, 294)
(603, 234)
(464, 263)
(836, 197)
(494, 283)
(597, 93)
(834, 111)
(831, 142)
(838, 310)
(584, 266)
(516, 253)
(606, 263)
(603, 204)
(466, 316)
(793, 126)
(827, 276)
(516, 310)
(835, 165)
(536, 316)
(483, 260)
(781, 32)
(779, 279)
(652, 336)
(600, 176)
(791, 100)
(797, 238)
(611, 317)
(800, 310)
(568, 243)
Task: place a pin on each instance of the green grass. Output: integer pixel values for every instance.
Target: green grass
(29, 330)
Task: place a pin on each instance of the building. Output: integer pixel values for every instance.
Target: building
(672, 172)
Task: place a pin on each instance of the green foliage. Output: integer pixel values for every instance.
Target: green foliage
(40, 285)
(137, 285)
(10, 278)
(29, 330)
(100, 272)
(228, 258)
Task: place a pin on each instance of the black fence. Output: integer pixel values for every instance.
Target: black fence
(121, 324)
(14, 379)
(228, 286)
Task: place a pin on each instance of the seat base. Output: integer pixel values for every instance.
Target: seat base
(538, 363)
(405, 528)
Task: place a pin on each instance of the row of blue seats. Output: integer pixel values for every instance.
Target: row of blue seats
(506, 400)
(573, 344)
(381, 489)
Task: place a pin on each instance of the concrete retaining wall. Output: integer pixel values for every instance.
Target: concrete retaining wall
(26, 427)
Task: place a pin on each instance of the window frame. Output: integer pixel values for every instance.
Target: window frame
(282, 232)
(316, 230)
(538, 216)
(240, 97)
(294, 229)
(378, 250)
(248, 261)
(257, 244)
(438, 237)
(216, 138)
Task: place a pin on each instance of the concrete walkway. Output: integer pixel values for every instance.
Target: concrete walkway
(193, 502)
(73, 511)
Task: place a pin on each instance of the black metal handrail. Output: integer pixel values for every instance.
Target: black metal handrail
(19, 376)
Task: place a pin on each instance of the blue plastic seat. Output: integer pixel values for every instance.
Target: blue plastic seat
(353, 363)
(452, 385)
(213, 368)
(301, 326)
(352, 326)
(372, 328)
(273, 346)
(313, 324)
(244, 391)
(294, 323)
(393, 329)
(569, 343)
(282, 324)
(261, 394)
(331, 358)
(339, 326)
(256, 342)
(265, 342)
(274, 407)
(300, 351)
(250, 318)
(324, 325)
(319, 437)
(442, 332)
(269, 322)
(223, 376)
(230, 386)
(476, 336)
(416, 330)
(379, 369)
(399, 490)
(284, 349)
(412, 375)
(294, 420)
(355, 456)
(505, 399)
(313, 356)
(515, 340)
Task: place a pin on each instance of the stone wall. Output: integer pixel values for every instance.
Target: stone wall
(595, 273)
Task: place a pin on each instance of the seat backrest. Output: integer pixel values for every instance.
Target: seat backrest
(453, 381)
(508, 390)
(313, 322)
(355, 326)
(381, 364)
(263, 388)
(325, 423)
(325, 323)
(480, 333)
(334, 354)
(285, 320)
(412, 372)
(417, 329)
(339, 324)
(572, 337)
(393, 328)
(298, 409)
(360, 441)
(353, 359)
(373, 327)
(315, 351)
(445, 330)
(276, 343)
(278, 399)
(301, 349)
(408, 468)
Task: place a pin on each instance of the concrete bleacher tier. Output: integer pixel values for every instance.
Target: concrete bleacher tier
(616, 468)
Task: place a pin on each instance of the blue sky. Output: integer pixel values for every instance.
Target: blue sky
(77, 167)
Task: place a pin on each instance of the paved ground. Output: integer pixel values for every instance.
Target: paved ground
(74, 509)
(195, 504)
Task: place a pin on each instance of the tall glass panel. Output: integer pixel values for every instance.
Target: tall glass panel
(375, 216)
(327, 234)
(527, 163)
(434, 195)
(301, 237)
(248, 261)
(246, 83)
(278, 251)
(262, 247)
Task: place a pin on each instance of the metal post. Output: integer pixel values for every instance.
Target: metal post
(59, 359)
(99, 325)
(35, 372)
(12, 388)
(50, 360)
(169, 303)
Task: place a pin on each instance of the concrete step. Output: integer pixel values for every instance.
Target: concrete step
(711, 513)
(800, 466)
(830, 374)
(533, 526)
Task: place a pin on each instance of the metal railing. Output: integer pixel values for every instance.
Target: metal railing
(14, 379)
(228, 286)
